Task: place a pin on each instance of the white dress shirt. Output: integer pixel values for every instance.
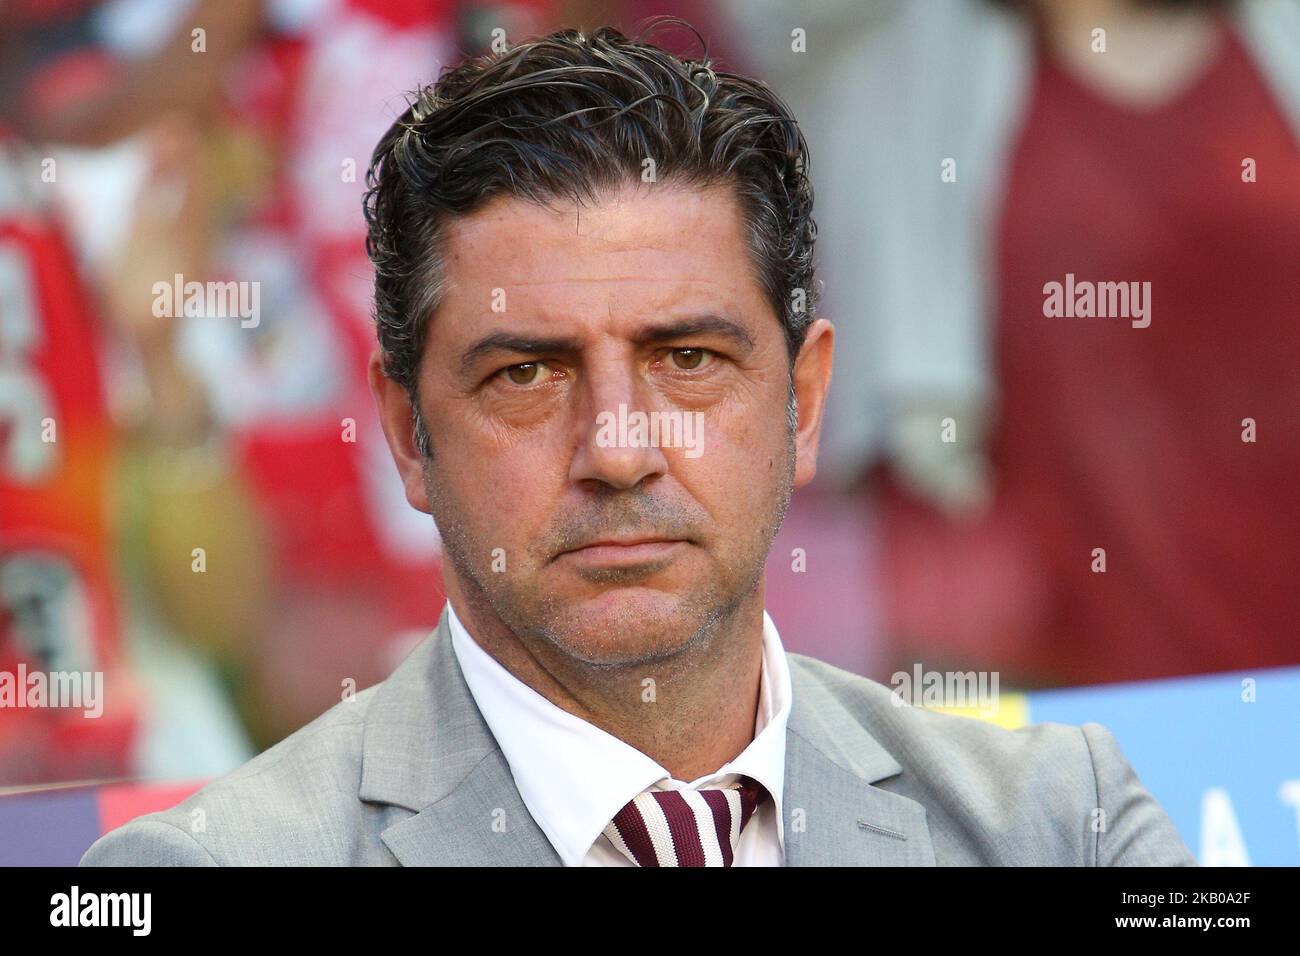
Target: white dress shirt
(575, 777)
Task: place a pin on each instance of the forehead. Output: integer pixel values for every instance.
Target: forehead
(638, 250)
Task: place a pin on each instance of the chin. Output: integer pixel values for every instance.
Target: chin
(626, 625)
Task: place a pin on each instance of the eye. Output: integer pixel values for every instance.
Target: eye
(691, 359)
(527, 373)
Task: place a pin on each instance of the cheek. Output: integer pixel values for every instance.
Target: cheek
(752, 437)
(738, 472)
(503, 497)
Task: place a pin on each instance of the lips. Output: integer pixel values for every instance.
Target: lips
(624, 551)
(623, 542)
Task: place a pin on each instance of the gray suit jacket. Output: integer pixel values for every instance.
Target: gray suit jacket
(407, 772)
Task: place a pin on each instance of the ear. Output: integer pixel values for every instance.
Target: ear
(812, 380)
(396, 417)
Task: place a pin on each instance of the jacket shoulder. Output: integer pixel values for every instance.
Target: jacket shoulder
(292, 804)
(1044, 793)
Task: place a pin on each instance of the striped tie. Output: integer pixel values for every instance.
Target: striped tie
(685, 827)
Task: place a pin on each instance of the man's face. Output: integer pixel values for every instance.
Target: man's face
(558, 325)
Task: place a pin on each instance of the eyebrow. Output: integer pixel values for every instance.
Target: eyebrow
(509, 342)
(532, 345)
(696, 325)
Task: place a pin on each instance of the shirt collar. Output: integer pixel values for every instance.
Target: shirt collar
(575, 777)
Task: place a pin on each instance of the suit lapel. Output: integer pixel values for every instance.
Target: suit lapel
(482, 822)
(833, 814)
(427, 749)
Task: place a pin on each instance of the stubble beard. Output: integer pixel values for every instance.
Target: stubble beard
(542, 618)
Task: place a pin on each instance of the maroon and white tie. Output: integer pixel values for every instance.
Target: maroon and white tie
(685, 827)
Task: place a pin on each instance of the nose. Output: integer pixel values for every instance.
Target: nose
(616, 446)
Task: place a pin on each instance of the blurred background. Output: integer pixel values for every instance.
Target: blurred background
(203, 508)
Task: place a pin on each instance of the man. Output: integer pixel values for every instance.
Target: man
(600, 371)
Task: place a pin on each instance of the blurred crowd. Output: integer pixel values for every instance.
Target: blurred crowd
(200, 506)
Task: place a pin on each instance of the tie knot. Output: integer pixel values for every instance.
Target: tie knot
(685, 827)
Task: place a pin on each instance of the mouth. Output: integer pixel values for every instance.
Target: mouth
(624, 552)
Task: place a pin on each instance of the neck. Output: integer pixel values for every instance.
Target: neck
(659, 707)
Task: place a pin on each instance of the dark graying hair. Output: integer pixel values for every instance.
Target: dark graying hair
(571, 115)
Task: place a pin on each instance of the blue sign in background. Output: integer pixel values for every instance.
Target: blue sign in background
(1186, 736)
